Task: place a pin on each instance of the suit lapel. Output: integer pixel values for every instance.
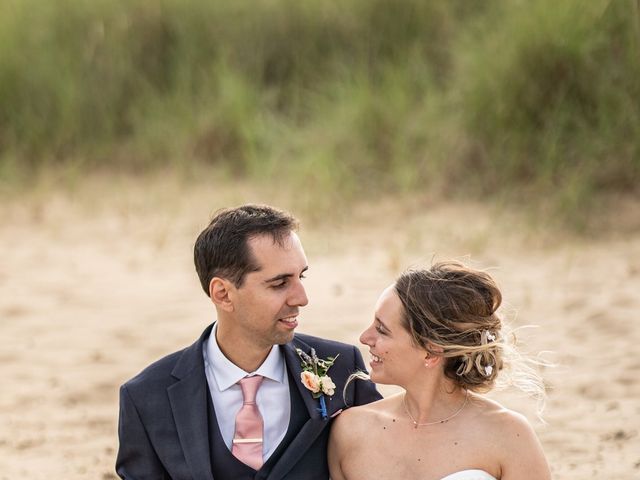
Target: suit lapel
(297, 448)
(312, 429)
(188, 398)
(294, 365)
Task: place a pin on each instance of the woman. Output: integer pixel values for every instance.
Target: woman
(436, 334)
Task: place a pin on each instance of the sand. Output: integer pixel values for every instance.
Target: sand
(97, 283)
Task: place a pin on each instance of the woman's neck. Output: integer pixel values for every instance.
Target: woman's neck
(434, 403)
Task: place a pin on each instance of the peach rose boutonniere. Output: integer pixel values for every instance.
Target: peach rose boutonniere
(314, 377)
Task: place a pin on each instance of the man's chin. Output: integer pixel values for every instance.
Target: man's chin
(283, 338)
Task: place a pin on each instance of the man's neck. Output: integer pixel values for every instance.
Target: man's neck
(239, 352)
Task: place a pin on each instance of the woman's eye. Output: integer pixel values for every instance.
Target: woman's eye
(380, 330)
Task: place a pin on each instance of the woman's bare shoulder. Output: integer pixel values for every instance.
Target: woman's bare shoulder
(355, 418)
(509, 430)
(500, 418)
(519, 449)
(495, 416)
(350, 431)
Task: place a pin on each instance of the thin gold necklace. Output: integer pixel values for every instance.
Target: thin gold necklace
(416, 424)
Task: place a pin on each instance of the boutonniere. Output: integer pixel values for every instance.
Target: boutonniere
(314, 377)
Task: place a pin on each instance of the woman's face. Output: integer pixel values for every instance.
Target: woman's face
(394, 357)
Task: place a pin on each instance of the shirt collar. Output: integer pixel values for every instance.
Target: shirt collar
(227, 373)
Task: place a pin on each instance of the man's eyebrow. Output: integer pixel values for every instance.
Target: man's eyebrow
(282, 276)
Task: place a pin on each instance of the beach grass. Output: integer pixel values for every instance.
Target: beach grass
(532, 102)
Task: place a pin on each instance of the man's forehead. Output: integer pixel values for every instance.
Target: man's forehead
(270, 242)
(270, 254)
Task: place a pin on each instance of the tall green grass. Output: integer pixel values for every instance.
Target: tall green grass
(559, 105)
(539, 98)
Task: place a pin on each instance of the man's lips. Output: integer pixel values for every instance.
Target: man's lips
(289, 322)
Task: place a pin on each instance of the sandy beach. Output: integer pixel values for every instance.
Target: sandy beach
(96, 284)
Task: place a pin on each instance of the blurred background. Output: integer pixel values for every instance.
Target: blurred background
(502, 132)
(535, 100)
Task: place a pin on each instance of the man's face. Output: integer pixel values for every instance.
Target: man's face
(265, 307)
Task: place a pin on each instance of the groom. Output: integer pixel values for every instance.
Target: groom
(233, 405)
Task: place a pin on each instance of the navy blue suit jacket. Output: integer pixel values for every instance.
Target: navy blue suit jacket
(163, 415)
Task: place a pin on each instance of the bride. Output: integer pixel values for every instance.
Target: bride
(436, 334)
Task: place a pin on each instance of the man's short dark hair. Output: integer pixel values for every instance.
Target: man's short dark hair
(222, 249)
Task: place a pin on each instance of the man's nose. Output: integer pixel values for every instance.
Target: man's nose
(299, 296)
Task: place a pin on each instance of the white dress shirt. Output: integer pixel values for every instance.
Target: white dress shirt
(272, 399)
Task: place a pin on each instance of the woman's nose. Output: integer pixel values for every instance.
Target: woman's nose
(366, 337)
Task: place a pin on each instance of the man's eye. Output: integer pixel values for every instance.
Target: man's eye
(279, 285)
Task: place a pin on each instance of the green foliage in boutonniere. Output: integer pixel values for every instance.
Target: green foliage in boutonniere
(314, 373)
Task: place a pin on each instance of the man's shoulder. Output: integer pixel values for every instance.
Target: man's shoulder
(155, 373)
(168, 369)
(356, 392)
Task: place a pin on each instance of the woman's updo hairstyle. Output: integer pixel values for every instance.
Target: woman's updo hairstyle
(450, 311)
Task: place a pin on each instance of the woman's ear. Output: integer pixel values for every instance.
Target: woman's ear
(433, 357)
(219, 292)
(431, 361)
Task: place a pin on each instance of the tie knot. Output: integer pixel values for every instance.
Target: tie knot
(249, 386)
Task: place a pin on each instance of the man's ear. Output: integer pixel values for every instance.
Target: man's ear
(219, 293)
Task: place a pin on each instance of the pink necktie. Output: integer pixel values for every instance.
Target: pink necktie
(247, 441)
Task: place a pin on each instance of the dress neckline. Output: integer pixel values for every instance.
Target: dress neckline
(484, 475)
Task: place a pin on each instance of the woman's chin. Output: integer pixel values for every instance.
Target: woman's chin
(378, 378)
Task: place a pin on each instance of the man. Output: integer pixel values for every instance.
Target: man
(233, 405)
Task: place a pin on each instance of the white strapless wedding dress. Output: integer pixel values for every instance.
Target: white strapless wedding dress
(470, 475)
